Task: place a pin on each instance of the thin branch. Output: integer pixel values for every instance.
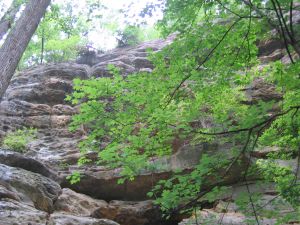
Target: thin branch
(278, 28)
(282, 32)
(196, 217)
(262, 125)
(244, 39)
(223, 215)
(246, 174)
(203, 62)
(260, 13)
(235, 13)
(284, 9)
(291, 18)
(252, 204)
(270, 119)
(284, 22)
(241, 153)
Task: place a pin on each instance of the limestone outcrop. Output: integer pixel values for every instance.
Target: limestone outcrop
(33, 185)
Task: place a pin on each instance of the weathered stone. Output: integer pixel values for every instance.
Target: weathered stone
(274, 56)
(267, 47)
(262, 153)
(36, 98)
(63, 110)
(260, 90)
(73, 203)
(23, 108)
(36, 190)
(128, 213)
(45, 84)
(7, 192)
(15, 159)
(208, 216)
(102, 184)
(64, 219)
(16, 213)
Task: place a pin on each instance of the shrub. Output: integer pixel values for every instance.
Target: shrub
(18, 140)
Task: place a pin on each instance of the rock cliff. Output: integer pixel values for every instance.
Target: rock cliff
(33, 185)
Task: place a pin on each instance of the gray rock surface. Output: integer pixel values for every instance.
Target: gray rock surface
(77, 204)
(15, 159)
(34, 189)
(16, 213)
(64, 219)
(36, 98)
(28, 191)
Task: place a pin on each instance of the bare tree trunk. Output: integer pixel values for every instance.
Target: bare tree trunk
(18, 39)
(9, 17)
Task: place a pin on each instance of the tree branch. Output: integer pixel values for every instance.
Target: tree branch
(203, 62)
(9, 17)
(252, 127)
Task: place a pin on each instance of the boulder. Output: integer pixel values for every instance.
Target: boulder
(77, 204)
(36, 190)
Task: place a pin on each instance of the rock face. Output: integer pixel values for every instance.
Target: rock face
(25, 197)
(15, 159)
(36, 98)
(36, 190)
(30, 183)
(33, 185)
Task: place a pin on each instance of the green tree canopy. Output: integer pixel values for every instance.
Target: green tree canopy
(61, 34)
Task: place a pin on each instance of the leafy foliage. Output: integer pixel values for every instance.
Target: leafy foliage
(61, 33)
(129, 36)
(200, 77)
(18, 140)
(74, 177)
(133, 35)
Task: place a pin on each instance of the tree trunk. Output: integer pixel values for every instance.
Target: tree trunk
(18, 39)
(43, 46)
(9, 17)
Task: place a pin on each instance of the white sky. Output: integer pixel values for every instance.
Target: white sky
(101, 37)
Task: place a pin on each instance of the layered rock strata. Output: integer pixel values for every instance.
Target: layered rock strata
(33, 185)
